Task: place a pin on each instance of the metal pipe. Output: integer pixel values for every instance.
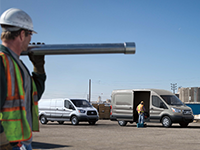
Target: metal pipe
(56, 49)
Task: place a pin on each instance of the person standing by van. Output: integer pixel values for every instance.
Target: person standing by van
(141, 110)
(19, 91)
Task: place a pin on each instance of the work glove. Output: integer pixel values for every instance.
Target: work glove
(38, 63)
(4, 143)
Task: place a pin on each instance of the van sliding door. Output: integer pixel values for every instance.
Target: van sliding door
(59, 108)
(53, 108)
(138, 97)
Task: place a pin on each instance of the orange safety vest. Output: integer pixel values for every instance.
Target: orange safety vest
(140, 108)
(13, 113)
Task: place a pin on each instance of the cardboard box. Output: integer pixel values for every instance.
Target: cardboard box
(96, 106)
(104, 111)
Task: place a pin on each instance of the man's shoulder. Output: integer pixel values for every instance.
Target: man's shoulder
(4, 49)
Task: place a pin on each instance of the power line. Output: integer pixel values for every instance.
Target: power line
(174, 87)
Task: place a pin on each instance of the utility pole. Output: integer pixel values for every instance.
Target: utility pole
(89, 90)
(174, 87)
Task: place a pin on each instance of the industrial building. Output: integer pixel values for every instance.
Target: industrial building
(191, 97)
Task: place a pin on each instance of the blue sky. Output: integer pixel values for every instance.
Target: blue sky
(166, 33)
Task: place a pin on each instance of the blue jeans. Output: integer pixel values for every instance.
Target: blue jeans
(141, 118)
(28, 147)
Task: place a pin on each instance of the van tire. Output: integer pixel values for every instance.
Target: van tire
(74, 120)
(122, 123)
(166, 121)
(43, 120)
(92, 122)
(183, 124)
(60, 122)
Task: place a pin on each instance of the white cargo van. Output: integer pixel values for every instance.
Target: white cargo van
(161, 105)
(74, 110)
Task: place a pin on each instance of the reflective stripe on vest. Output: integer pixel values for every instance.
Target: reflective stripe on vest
(35, 114)
(13, 113)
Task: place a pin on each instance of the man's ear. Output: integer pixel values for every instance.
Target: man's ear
(22, 35)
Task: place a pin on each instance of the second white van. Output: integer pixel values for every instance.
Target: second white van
(74, 110)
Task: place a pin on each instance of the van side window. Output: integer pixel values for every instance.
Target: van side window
(68, 105)
(157, 102)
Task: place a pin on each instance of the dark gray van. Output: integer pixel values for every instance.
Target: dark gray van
(161, 105)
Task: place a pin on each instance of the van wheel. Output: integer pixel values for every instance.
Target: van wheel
(74, 120)
(92, 122)
(122, 123)
(60, 122)
(43, 120)
(166, 121)
(183, 124)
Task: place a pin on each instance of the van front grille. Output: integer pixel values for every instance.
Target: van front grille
(187, 112)
(91, 113)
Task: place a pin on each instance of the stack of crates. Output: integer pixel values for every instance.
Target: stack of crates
(96, 106)
(103, 110)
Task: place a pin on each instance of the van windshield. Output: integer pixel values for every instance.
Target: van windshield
(81, 103)
(172, 100)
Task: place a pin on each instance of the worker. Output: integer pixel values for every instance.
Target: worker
(141, 110)
(19, 91)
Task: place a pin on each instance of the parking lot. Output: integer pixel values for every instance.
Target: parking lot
(108, 135)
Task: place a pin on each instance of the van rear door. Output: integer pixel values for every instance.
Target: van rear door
(123, 105)
(44, 106)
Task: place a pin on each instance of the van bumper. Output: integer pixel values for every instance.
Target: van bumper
(88, 118)
(178, 119)
(113, 118)
(121, 117)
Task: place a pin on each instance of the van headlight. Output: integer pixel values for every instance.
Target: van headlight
(81, 111)
(176, 110)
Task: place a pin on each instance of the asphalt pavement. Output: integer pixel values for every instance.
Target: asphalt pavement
(108, 135)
